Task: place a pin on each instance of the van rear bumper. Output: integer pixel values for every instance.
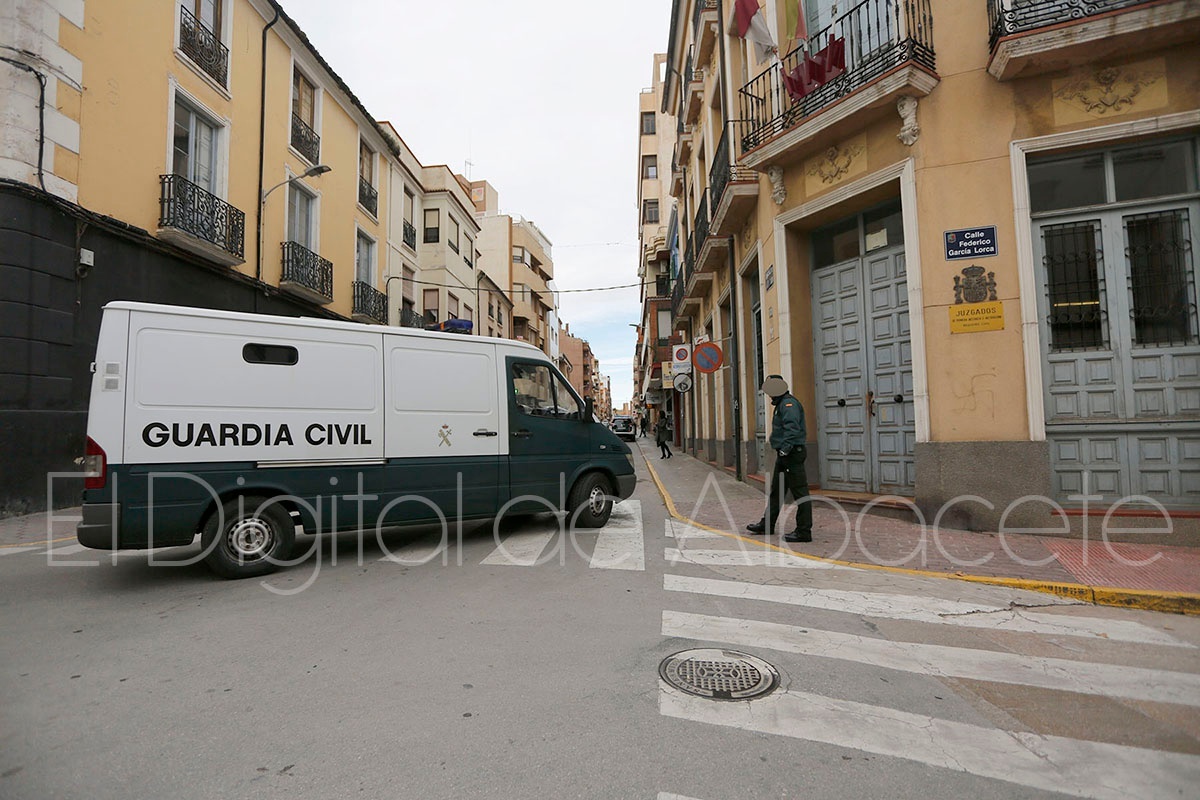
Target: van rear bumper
(625, 484)
(99, 527)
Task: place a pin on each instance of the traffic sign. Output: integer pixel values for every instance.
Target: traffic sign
(683, 383)
(681, 358)
(708, 357)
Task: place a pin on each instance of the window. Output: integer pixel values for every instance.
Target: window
(451, 306)
(491, 309)
(1074, 287)
(364, 260)
(1158, 246)
(194, 155)
(468, 251)
(1156, 170)
(200, 38)
(1067, 183)
(452, 235)
(432, 225)
(468, 314)
(304, 99)
(647, 123)
(407, 284)
(431, 305)
(366, 163)
(649, 212)
(283, 355)
(519, 255)
(539, 392)
(649, 167)
(409, 204)
(301, 215)
(208, 12)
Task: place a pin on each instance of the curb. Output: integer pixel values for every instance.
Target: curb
(1144, 599)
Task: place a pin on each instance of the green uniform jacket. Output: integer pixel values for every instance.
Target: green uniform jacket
(787, 426)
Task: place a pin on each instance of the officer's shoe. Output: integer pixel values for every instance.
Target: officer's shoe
(757, 528)
(798, 536)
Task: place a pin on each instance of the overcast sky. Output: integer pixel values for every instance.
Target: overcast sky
(542, 97)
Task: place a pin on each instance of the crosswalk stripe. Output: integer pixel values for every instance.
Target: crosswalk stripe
(669, 796)
(8, 551)
(925, 609)
(620, 544)
(745, 558)
(1134, 683)
(678, 530)
(1053, 763)
(521, 549)
(415, 553)
(68, 550)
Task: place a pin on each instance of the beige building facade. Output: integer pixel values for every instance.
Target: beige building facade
(966, 241)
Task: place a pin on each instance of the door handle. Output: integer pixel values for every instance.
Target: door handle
(484, 432)
(522, 434)
(899, 398)
(870, 402)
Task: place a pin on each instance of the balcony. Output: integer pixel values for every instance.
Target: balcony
(704, 29)
(411, 319)
(888, 53)
(368, 197)
(203, 47)
(306, 274)
(305, 140)
(1031, 37)
(410, 235)
(693, 92)
(199, 221)
(710, 250)
(370, 304)
(732, 187)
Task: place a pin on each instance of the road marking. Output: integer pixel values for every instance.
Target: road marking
(669, 796)
(745, 558)
(678, 530)
(925, 609)
(1108, 680)
(415, 553)
(1052, 763)
(69, 550)
(522, 549)
(621, 543)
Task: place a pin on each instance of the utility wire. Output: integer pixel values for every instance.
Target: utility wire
(547, 291)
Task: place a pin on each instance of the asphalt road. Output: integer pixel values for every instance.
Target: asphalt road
(526, 665)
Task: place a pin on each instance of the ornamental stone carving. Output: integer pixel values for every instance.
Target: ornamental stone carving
(778, 190)
(1111, 91)
(906, 107)
(835, 163)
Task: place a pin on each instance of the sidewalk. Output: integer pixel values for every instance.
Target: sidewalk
(1132, 575)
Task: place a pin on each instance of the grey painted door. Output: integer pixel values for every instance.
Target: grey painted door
(1121, 356)
(865, 430)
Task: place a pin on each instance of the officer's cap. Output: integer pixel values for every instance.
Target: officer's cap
(774, 385)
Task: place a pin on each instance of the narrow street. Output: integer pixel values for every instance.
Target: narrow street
(530, 668)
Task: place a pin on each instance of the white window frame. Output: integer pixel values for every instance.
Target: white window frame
(314, 222)
(360, 236)
(225, 35)
(221, 145)
(318, 94)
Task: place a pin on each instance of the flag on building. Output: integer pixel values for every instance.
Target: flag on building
(752, 26)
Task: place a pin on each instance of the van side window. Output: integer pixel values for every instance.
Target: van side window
(540, 393)
(280, 354)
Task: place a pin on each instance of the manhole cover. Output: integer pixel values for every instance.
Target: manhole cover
(719, 674)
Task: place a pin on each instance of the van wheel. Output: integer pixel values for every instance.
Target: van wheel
(590, 501)
(248, 538)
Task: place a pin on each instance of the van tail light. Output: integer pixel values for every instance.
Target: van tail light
(95, 466)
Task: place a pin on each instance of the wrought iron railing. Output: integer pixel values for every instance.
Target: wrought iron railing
(688, 71)
(410, 235)
(878, 35)
(185, 206)
(410, 318)
(701, 7)
(1009, 17)
(305, 268)
(662, 286)
(677, 296)
(305, 139)
(699, 228)
(368, 197)
(369, 302)
(203, 46)
(724, 165)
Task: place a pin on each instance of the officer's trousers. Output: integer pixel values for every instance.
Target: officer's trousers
(788, 478)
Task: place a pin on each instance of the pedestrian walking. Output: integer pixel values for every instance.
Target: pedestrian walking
(662, 435)
(787, 439)
(645, 422)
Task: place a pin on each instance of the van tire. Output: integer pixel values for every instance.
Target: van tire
(253, 540)
(591, 501)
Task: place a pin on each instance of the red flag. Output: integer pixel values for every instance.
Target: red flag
(743, 13)
(801, 23)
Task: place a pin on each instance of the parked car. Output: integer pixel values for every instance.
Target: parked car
(624, 427)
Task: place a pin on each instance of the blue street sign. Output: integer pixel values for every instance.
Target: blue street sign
(970, 243)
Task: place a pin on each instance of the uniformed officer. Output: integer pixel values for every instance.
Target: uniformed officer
(787, 438)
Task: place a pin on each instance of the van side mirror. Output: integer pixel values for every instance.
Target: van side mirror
(589, 410)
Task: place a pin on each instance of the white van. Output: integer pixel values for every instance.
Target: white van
(235, 426)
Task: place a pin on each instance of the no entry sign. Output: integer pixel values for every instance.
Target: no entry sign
(708, 357)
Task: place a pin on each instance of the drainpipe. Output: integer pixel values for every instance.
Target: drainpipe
(262, 128)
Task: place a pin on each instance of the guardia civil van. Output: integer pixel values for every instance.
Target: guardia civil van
(237, 427)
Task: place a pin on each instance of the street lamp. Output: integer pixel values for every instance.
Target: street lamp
(311, 172)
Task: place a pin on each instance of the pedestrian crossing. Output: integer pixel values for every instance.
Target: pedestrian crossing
(946, 640)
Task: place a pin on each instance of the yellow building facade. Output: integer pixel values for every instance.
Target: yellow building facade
(963, 233)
